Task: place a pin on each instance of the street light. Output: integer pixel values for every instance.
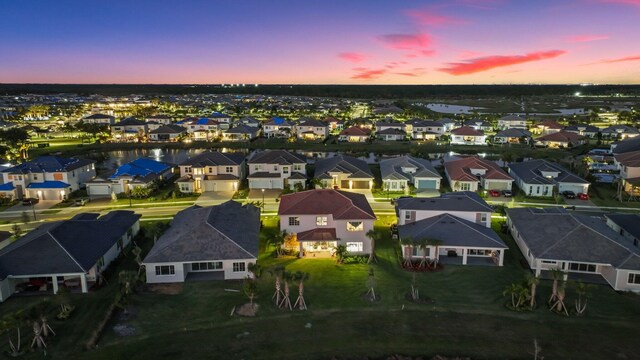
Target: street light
(262, 199)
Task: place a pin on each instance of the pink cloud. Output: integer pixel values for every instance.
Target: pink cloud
(480, 64)
(368, 74)
(406, 41)
(425, 17)
(353, 57)
(623, 59)
(586, 38)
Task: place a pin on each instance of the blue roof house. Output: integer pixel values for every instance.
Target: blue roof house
(142, 172)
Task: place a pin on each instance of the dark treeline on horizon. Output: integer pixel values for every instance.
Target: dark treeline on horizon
(340, 91)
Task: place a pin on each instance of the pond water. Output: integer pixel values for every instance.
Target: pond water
(452, 109)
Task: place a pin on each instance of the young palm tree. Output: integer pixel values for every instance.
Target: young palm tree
(436, 256)
(533, 282)
(556, 275)
(581, 302)
(512, 291)
(340, 252)
(372, 235)
(424, 244)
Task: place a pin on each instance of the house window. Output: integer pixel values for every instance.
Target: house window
(297, 167)
(238, 267)
(634, 278)
(229, 169)
(165, 270)
(204, 266)
(321, 220)
(275, 167)
(187, 170)
(582, 267)
(184, 187)
(210, 170)
(549, 262)
(285, 170)
(355, 226)
(357, 247)
(464, 186)
(483, 217)
(35, 177)
(408, 215)
(294, 221)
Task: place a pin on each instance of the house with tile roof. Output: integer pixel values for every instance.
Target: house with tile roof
(560, 139)
(400, 172)
(627, 225)
(459, 241)
(277, 169)
(202, 129)
(546, 127)
(322, 219)
(355, 134)
(467, 135)
(47, 177)
(129, 129)
(586, 130)
(223, 120)
(206, 243)
(619, 132)
(160, 119)
(478, 124)
(629, 165)
(240, 133)
(344, 172)
(141, 172)
(170, 133)
(447, 124)
(463, 204)
(542, 178)
(512, 136)
(212, 171)
(419, 129)
(250, 121)
(391, 134)
(101, 119)
(278, 127)
(472, 173)
(311, 129)
(69, 253)
(582, 246)
(512, 122)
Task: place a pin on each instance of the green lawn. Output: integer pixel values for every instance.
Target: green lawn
(467, 316)
(606, 195)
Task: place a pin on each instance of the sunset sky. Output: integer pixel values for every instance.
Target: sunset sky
(320, 42)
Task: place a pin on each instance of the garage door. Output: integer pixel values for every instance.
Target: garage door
(497, 185)
(265, 183)
(344, 184)
(361, 184)
(98, 190)
(426, 184)
(569, 187)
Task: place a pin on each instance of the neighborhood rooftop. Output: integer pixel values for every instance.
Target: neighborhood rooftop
(341, 204)
(455, 201)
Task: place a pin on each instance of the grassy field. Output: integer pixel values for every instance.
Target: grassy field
(466, 316)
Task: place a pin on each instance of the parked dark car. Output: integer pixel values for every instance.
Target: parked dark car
(507, 193)
(30, 201)
(569, 194)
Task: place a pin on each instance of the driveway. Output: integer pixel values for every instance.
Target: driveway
(213, 198)
(17, 210)
(427, 193)
(579, 202)
(366, 192)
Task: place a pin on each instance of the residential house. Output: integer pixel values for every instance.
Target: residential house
(512, 122)
(512, 136)
(152, 125)
(627, 145)
(355, 134)
(400, 172)
(141, 172)
(478, 124)
(467, 136)
(47, 177)
(465, 204)
(391, 134)
(629, 165)
(582, 246)
(224, 121)
(586, 130)
(277, 169)
(129, 129)
(619, 132)
(240, 133)
(101, 119)
(322, 219)
(167, 133)
(447, 124)
(627, 225)
(344, 172)
(70, 253)
(250, 121)
(206, 243)
(472, 173)
(278, 127)
(335, 125)
(560, 139)
(419, 129)
(546, 127)
(542, 178)
(160, 119)
(212, 171)
(203, 129)
(386, 125)
(459, 241)
(311, 129)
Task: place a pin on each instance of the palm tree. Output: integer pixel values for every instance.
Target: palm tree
(424, 244)
(556, 274)
(532, 281)
(582, 291)
(512, 291)
(341, 252)
(372, 235)
(436, 256)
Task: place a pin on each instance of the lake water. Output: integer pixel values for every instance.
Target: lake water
(452, 109)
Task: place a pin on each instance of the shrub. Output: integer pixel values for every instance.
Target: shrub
(355, 259)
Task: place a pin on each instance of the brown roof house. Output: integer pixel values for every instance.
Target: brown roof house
(560, 139)
(472, 173)
(355, 134)
(322, 219)
(466, 135)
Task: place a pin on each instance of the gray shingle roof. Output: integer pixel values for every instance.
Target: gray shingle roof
(454, 201)
(344, 164)
(227, 231)
(214, 158)
(452, 231)
(513, 132)
(629, 222)
(392, 168)
(555, 234)
(530, 173)
(280, 157)
(69, 246)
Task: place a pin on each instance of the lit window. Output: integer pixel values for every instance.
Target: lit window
(582, 267)
(354, 247)
(165, 270)
(321, 220)
(355, 226)
(204, 266)
(238, 267)
(634, 278)
(285, 170)
(294, 221)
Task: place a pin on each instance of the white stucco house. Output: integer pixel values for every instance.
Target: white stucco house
(542, 178)
(277, 169)
(399, 172)
(212, 171)
(206, 243)
(466, 205)
(466, 135)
